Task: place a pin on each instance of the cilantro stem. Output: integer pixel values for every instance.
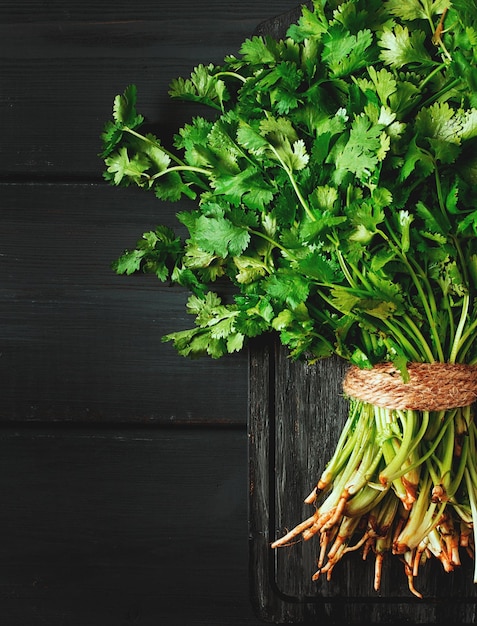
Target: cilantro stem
(418, 335)
(344, 267)
(467, 339)
(274, 243)
(460, 328)
(181, 168)
(233, 75)
(450, 416)
(296, 189)
(431, 75)
(418, 284)
(438, 96)
(415, 332)
(157, 145)
(410, 440)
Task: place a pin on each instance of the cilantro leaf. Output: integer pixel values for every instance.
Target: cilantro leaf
(287, 287)
(125, 168)
(400, 47)
(361, 153)
(156, 252)
(344, 53)
(202, 86)
(218, 235)
(259, 50)
(124, 108)
(416, 9)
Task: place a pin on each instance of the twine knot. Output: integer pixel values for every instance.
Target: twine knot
(431, 386)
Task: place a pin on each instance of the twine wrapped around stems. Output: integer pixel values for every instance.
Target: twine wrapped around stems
(431, 386)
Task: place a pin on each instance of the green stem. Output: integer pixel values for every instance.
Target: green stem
(460, 329)
(466, 343)
(430, 76)
(275, 243)
(181, 168)
(344, 266)
(432, 448)
(150, 141)
(297, 190)
(415, 332)
(232, 75)
(393, 327)
(343, 448)
(418, 285)
(454, 485)
(409, 442)
(422, 518)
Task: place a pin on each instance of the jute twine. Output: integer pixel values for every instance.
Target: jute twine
(431, 386)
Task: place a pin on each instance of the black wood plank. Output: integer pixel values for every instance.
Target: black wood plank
(79, 342)
(115, 527)
(297, 412)
(63, 65)
(29, 11)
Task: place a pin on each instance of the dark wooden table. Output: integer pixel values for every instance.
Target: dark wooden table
(124, 469)
(137, 487)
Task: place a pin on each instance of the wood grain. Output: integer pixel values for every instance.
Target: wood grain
(83, 344)
(111, 527)
(62, 65)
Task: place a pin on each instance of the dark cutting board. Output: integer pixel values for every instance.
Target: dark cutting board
(296, 415)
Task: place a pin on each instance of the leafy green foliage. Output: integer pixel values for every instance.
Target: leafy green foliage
(334, 186)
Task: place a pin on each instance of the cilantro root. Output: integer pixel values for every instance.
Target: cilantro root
(382, 519)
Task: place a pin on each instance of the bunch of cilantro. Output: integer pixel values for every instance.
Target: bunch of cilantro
(335, 188)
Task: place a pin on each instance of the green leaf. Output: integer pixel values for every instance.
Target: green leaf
(124, 108)
(384, 82)
(400, 47)
(469, 124)
(251, 139)
(311, 24)
(202, 86)
(287, 287)
(278, 131)
(218, 235)
(345, 53)
(416, 9)
(129, 262)
(156, 252)
(440, 121)
(259, 50)
(125, 168)
(360, 155)
(249, 269)
(247, 185)
(415, 158)
(318, 267)
(111, 137)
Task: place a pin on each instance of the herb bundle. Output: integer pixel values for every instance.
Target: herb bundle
(335, 187)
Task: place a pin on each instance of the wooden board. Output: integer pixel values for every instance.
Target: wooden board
(297, 412)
